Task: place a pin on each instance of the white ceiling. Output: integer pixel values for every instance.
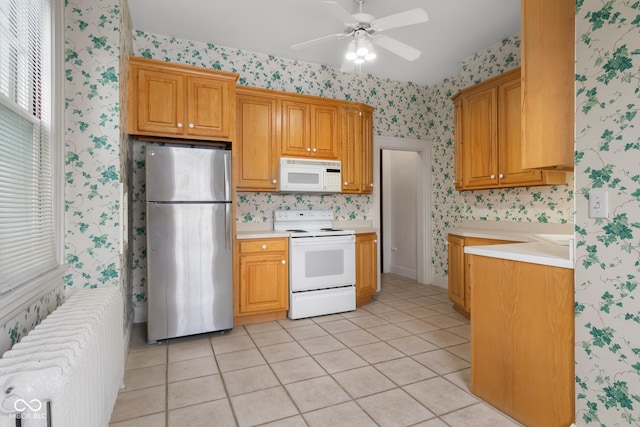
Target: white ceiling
(456, 30)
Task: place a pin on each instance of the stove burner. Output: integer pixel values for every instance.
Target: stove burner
(297, 231)
(330, 229)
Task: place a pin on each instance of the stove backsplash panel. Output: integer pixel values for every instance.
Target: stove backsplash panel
(259, 207)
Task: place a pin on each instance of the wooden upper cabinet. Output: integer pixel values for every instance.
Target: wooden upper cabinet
(325, 132)
(296, 129)
(351, 167)
(309, 130)
(548, 81)
(488, 145)
(457, 143)
(480, 144)
(256, 146)
(510, 171)
(367, 150)
(180, 101)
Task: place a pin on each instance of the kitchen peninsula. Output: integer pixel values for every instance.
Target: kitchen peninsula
(522, 320)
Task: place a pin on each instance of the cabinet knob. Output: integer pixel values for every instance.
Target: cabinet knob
(308, 149)
(284, 261)
(346, 183)
(264, 246)
(501, 176)
(191, 125)
(375, 241)
(314, 150)
(274, 181)
(179, 125)
(493, 177)
(371, 185)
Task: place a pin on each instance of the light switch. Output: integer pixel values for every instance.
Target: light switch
(598, 204)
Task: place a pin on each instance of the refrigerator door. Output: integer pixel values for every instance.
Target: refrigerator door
(180, 174)
(190, 287)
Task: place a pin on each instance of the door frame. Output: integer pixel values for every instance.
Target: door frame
(424, 267)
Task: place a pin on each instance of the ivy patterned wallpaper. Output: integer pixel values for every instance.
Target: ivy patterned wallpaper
(608, 263)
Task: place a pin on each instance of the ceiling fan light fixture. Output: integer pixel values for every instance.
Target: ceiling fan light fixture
(362, 47)
(370, 56)
(359, 61)
(351, 51)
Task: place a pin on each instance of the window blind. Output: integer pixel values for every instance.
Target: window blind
(27, 232)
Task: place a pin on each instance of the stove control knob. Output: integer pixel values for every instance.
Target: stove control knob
(264, 246)
(284, 262)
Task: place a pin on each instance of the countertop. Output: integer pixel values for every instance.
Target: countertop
(545, 244)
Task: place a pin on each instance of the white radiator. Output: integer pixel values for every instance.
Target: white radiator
(67, 371)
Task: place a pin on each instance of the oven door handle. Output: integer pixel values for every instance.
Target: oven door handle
(313, 241)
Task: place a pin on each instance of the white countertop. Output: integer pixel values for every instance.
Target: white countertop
(544, 253)
(537, 243)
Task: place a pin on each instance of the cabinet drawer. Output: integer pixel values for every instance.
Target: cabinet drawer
(262, 245)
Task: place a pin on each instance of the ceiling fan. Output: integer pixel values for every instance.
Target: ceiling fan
(364, 30)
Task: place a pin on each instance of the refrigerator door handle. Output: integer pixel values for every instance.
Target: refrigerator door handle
(227, 176)
(227, 223)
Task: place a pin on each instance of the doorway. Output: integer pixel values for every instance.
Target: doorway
(403, 153)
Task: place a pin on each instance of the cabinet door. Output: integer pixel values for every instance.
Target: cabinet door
(263, 283)
(351, 149)
(509, 131)
(367, 152)
(522, 327)
(480, 152)
(159, 101)
(208, 112)
(366, 267)
(325, 134)
(548, 44)
(457, 140)
(256, 147)
(296, 129)
(456, 272)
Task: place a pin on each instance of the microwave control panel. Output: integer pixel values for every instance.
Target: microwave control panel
(332, 181)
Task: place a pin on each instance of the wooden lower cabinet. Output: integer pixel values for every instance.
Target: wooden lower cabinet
(262, 280)
(366, 267)
(522, 339)
(459, 285)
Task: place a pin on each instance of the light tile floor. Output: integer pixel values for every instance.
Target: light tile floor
(402, 360)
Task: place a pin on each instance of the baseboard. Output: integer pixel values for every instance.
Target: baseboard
(403, 271)
(140, 314)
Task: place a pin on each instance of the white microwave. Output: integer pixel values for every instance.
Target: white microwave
(310, 176)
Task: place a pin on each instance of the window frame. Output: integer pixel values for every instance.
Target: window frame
(14, 302)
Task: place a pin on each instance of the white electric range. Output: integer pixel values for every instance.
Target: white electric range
(322, 263)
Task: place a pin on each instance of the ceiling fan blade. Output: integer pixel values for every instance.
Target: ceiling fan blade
(318, 40)
(402, 19)
(347, 66)
(396, 46)
(339, 12)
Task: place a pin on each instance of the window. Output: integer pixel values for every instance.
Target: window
(28, 242)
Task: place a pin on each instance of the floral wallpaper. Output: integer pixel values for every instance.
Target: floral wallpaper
(607, 250)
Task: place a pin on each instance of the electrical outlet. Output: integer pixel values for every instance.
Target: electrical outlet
(598, 204)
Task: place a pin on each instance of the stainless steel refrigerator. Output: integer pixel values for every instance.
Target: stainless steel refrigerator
(189, 262)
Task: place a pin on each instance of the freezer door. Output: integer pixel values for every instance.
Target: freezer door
(181, 174)
(189, 270)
